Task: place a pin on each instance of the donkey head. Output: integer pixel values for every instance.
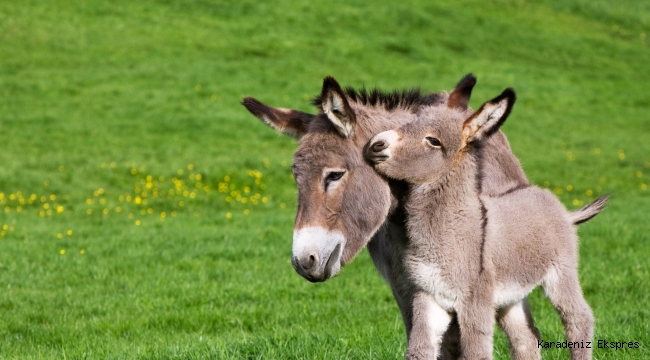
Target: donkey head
(424, 150)
(342, 202)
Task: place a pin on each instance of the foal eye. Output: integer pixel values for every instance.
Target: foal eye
(333, 176)
(433, 141)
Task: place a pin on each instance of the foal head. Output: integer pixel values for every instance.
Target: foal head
(425, 150)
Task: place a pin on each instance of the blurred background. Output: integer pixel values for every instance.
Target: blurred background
(144, 213)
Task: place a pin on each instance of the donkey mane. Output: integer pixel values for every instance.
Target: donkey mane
(409, 99)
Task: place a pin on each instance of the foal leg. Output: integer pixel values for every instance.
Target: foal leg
(430, 322)
(516, 321)
(476, 319)
(387, 251)
(419, 327)
(563, 289)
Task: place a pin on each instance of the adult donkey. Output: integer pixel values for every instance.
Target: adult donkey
(343, 205)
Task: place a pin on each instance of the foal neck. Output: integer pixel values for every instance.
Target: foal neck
(458, 186)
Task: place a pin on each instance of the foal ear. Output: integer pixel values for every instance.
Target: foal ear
(459, 97)
(489, 118)
(287, 121)
(334, 104)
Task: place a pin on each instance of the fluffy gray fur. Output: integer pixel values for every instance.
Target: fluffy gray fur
(473, 251)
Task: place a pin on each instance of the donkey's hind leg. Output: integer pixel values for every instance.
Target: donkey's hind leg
(516, 321)
(563, 290)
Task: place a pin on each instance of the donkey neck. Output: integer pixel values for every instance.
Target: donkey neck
(448, 210)
(461, 182)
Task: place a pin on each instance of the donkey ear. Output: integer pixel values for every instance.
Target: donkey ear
(489, 118)
(459, 97)
(291, 122)
(335, 105)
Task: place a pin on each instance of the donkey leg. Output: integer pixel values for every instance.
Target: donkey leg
(563, 290)
(430, 323)
(476, 319)
(516, 321)
(451, 341)
(386, 250)
(450, 345)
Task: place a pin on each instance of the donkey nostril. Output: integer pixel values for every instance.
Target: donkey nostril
(309, 262)
(378, 146)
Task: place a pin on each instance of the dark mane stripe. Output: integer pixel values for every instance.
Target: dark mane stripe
(390, 100)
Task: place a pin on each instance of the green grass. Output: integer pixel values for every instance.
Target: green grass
(99, 95)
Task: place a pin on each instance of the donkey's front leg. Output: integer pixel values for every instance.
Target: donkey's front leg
(516, 321)
(387, 252)
(476, 319)
(430, 322)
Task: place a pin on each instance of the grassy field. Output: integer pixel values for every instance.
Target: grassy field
(145, 214)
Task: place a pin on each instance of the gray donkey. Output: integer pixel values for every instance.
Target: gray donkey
(474, 254)
(344, 205)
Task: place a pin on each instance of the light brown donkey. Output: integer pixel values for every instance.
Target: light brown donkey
(474, 253)
(344, 205)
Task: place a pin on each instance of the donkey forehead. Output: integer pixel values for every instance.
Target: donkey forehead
(328, 149)
(438, 121)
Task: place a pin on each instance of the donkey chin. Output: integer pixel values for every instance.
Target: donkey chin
(317, 253)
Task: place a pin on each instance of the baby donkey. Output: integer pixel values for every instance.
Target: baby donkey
(474, 254)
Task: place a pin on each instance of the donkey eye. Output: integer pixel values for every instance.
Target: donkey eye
(433, 141)
(333, 176)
